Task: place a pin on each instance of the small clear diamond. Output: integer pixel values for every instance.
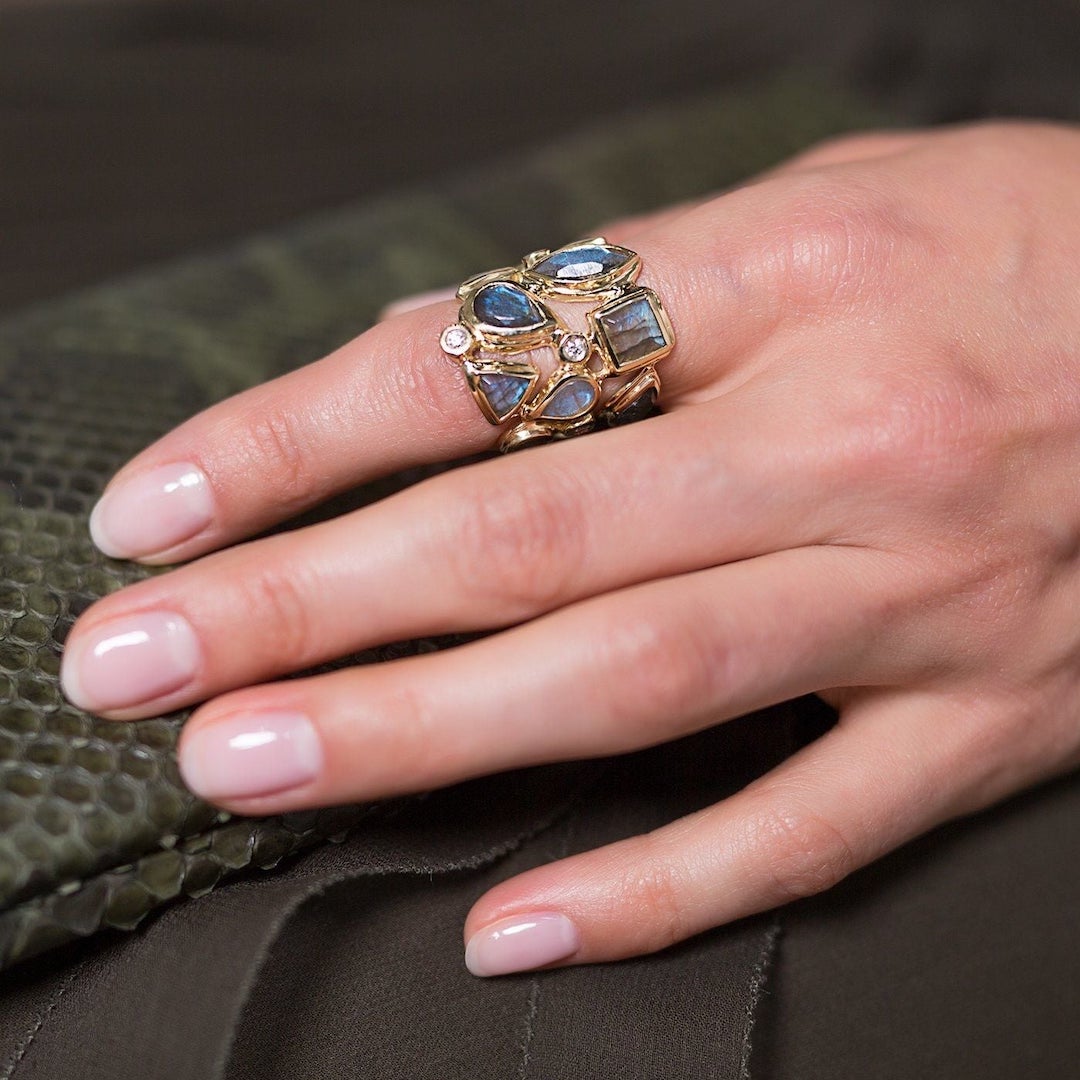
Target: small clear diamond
(456, 340)
(574, 348)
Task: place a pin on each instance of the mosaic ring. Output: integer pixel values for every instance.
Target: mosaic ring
(534, 356)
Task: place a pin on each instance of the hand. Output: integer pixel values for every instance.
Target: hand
(864, 485)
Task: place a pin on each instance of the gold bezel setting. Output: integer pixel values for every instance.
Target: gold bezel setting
(613, 357)
(499, 338)
(586, 286)
(556, 386)
(475, 372)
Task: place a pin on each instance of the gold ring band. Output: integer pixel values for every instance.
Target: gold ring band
(533, 356)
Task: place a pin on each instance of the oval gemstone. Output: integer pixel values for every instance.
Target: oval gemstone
(570, 398)
(508, 306)
(579, 263)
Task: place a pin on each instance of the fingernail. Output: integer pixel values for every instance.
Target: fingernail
(251, 754)
(152, 512)
(131, 660)
(521, 943)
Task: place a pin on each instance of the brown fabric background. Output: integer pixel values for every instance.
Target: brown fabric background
(135, 130)
(366, 978)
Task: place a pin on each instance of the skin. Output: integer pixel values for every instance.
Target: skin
(864, 485)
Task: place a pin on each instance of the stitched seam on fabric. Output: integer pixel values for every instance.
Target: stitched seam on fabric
(258, 960)
(533, 1004)
(758, 978)
(484, 858)
(28, 1038)
(530, 1020)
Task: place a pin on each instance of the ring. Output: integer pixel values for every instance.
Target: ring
(530, 352)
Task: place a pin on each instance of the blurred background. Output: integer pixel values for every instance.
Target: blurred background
(133, 131)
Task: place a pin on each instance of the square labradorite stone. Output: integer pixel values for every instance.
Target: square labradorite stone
(633, 331)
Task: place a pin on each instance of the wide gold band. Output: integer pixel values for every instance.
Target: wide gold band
(533, 356)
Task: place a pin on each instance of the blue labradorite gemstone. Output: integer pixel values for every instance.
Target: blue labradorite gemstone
(508, 306)
(576, 264)
(570, 398)
(633, 332)
(504, 392)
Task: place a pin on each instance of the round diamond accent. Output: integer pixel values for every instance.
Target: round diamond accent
(456, 340)
(574, 348)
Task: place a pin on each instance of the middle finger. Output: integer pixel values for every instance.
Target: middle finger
(485, 546)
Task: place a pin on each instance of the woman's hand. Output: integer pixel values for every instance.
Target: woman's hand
(865, 484)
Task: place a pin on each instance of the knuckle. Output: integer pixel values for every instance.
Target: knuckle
(416, 378)
(836, 243)
(519, 546)
(925, 425)
(276, 599)
(661, 673)
(278, 446)
(802, 853)
(653, 889)
(404, 726)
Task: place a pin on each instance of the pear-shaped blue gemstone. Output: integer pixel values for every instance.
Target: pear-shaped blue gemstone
(509, 306)
(579, 263)
(570, 398)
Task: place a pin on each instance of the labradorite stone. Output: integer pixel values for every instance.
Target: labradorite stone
(638, 410)
(576, 264)
(504, 392)
(632, 331)
(570, 398)
(509, 306)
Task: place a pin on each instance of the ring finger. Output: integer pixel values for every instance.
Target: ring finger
(482, 547)
(731, 273)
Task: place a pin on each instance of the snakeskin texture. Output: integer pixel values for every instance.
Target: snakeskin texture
(96, 826)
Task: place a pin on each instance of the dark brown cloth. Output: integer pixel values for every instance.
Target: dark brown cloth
(136, 130)
(366, 978)
(957, 958)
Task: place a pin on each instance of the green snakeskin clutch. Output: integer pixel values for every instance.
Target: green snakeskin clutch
(96, 826)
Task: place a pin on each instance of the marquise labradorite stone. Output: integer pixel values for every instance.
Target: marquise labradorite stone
(633, 332)
(570, 398)
(503, 391)
(579, 263)
(508, 306)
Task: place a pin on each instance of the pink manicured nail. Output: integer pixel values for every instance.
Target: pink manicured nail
(130, 660)
(152, 512)
(251, 754)
(520, 943)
